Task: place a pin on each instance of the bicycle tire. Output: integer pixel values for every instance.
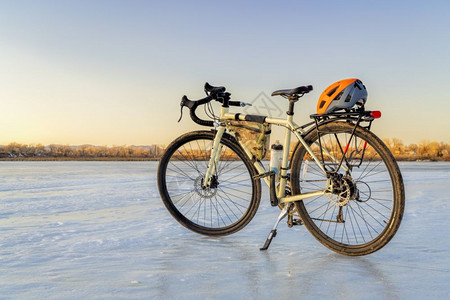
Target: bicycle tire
(367, 211)
(225, 208)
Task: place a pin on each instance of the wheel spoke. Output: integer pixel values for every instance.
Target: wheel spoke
(227, 204)
(341, 219)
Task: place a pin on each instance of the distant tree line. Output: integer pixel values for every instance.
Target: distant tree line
(425, 150)
(22, 151)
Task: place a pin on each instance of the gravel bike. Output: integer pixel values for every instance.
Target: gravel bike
(340, 180)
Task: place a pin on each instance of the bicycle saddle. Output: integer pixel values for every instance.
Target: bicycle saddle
(296, 91)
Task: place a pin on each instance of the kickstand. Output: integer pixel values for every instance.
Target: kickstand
(284, 212)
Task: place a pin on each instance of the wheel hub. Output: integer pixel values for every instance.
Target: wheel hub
(208, 192)
(344, 190)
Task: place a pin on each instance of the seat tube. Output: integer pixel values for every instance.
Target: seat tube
(285, 161)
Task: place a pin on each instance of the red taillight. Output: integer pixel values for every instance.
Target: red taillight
(376, 114)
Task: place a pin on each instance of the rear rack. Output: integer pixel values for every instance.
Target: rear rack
(355, 116)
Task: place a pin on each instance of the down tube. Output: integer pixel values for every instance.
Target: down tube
(257, 164)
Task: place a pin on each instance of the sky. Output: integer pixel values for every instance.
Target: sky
(113, 72)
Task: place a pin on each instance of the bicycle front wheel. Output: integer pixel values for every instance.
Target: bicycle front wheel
(365, 208)
(228, 204)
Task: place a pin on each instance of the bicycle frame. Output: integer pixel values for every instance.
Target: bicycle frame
(291, 127)
(329, 167)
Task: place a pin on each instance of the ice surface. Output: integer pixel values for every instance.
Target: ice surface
(78, 230)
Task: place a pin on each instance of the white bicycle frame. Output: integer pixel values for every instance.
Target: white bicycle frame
(291, 127)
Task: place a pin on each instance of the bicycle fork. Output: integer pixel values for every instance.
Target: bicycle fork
(214, 159)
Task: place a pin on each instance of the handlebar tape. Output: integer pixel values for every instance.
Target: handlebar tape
(193, 104)
(200, 121)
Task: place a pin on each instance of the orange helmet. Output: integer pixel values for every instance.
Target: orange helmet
(342, 94)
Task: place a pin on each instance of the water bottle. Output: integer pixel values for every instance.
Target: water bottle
(276, 156)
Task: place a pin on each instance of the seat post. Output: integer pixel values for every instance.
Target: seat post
(292, 100)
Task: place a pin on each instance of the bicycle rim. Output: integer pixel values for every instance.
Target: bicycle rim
(224, 208)
(365, 209)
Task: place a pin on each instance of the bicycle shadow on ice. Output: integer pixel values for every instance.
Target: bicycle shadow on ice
(234, 267)
(328, 276)
(190, 262)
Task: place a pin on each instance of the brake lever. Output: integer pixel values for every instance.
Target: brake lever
(186, 102)
(182, 104)
(181, 114)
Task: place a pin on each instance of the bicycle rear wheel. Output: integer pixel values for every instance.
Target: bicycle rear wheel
(231, 201)
(366, 206)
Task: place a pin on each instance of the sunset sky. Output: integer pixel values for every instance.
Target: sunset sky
(113, 72)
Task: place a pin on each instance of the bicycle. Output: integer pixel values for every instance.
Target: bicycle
(341, 182)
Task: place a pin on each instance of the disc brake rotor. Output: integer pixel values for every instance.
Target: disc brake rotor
(203, 192)
(342, 193)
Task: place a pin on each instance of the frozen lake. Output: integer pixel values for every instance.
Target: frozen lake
(88, 230)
